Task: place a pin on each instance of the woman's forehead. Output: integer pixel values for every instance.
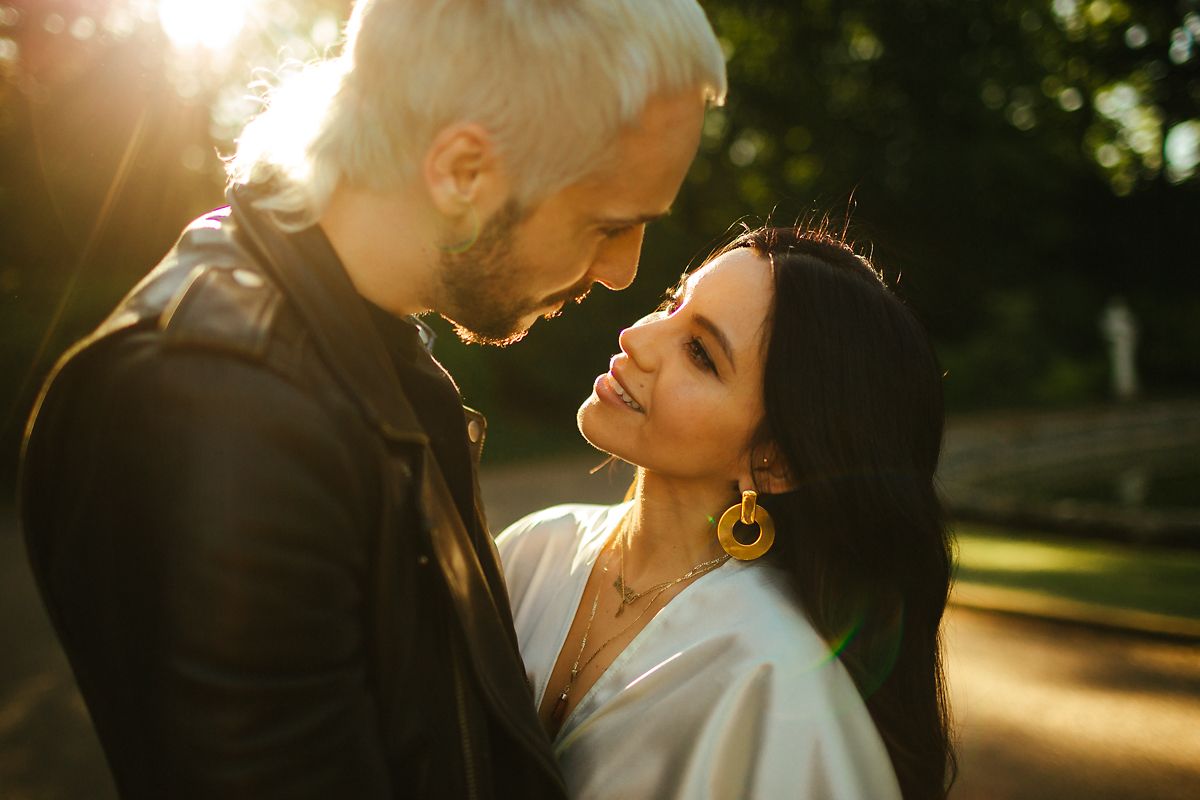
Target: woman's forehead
(741, 271)
(734, 291)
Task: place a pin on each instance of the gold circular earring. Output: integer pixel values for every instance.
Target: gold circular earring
(466, 244)
(748, 512)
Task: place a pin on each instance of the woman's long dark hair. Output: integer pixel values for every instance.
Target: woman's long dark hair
(853, 400)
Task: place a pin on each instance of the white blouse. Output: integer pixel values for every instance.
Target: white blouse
(727, 691)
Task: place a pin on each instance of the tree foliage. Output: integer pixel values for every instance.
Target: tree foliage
(1015, 163)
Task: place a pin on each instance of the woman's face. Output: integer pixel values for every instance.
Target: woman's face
(684, 395)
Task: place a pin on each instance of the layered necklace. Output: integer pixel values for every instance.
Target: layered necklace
(629, 596)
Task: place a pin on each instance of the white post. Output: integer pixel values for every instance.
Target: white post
(1120, 328)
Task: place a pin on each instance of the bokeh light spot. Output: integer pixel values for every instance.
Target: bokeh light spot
(1182, 150)
(54, 23)
(745, 149)
(1108, 156)
(325, 31)
(213, 24)
(193, 158)
(83, 28)
(1137, 37)
(1117, 100)
(1192, 23)
(1022, 116)
(1066, 8)
(1070, 99)
(1099, 12)
(993, 95)
(1180, 51)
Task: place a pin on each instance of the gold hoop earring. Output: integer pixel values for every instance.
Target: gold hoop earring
(458, 248)
(748, 512)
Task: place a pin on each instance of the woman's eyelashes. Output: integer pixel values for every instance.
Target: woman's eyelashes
(694, 346)
(698, 354)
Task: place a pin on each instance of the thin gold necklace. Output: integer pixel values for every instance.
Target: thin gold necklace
(629, 596)
(558, 713)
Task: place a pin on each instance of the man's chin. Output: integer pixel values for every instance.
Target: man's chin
(494, 333)
(504, 335)
(469, 336)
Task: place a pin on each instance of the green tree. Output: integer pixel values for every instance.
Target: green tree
(1015, 162)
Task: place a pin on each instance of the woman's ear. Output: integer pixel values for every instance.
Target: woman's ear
(767, 472)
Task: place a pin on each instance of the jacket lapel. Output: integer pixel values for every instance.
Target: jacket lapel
(343, 332)
(497, 664)
(336, 317)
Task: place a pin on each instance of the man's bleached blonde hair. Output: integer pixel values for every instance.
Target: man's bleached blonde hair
(553, 81)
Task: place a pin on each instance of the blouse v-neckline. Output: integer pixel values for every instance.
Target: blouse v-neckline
(594, 546)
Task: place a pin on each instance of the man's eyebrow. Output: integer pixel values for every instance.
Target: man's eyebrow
(718, 334)
(641, 219)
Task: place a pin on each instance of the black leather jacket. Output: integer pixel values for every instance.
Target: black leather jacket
(250, 555)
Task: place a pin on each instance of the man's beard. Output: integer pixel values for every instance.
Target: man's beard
(480, 286)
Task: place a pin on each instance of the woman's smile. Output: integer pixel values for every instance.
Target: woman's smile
(609, 389)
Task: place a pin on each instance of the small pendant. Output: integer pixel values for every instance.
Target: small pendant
(559, 711)
(628, 596)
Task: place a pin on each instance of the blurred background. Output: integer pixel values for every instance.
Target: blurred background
(1026, 171)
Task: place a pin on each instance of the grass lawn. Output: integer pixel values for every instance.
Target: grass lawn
(1164, 581)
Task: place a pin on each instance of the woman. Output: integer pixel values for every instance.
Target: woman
(676, 653)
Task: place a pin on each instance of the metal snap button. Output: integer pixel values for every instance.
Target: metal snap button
(250, 280)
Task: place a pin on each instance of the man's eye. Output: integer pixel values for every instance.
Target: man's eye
(613, 233)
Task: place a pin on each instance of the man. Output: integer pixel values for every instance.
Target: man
(250, 496)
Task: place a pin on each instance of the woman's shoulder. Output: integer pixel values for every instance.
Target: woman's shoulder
(783, 678)
(557, 532)
(760, 623)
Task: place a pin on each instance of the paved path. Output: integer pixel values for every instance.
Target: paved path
(1044, 710)
(1050, 711)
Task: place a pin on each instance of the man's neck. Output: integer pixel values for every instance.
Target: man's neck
(386, 248)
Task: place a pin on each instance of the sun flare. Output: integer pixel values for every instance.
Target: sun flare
(212, 24)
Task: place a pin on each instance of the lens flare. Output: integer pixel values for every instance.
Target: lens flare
(213, 24)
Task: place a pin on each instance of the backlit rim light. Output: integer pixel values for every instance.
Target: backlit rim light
(211, 24)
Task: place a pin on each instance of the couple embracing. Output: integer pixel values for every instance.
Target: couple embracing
(250, 497)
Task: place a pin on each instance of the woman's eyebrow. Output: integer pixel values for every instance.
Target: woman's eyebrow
(680, 293)
(719, 335)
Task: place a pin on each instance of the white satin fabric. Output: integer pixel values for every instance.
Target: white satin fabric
(727, 692)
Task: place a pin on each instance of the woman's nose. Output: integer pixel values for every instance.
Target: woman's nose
(637, 341)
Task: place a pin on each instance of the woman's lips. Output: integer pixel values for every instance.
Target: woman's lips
(609, 389)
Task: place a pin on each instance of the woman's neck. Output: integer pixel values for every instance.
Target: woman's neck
(672, 526)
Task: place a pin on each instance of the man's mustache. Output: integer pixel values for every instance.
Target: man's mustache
(575, 294)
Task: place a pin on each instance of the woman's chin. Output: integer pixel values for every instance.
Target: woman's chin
(591, 427)
(583, 416)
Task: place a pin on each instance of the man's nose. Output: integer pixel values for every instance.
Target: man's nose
(617, 261)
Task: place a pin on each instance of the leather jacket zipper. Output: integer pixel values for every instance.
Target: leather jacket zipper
(464, 732)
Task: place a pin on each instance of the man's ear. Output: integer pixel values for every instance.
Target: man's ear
(767, 472)
(462, 169)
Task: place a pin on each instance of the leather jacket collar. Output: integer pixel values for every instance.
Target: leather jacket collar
(336, 318)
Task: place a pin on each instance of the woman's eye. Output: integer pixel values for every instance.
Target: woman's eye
(698, 354)
(613, 233)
